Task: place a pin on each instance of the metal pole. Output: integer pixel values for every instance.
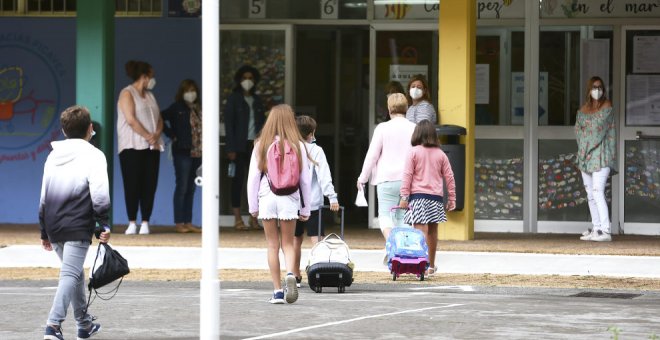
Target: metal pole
(209, 295)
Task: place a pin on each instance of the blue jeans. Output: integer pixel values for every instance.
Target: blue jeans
(71, 285)
(185, 168)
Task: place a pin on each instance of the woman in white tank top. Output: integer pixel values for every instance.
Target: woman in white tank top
(139, 142)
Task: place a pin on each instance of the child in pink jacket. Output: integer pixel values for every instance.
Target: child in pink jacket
(422, 186)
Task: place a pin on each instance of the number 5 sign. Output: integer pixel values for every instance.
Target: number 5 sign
(329, 9)
(257, 9)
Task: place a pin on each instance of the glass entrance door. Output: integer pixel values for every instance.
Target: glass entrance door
(398, 52)
(332, 86)
(640, 131)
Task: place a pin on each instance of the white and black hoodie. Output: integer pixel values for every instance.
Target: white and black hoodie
(74, 192)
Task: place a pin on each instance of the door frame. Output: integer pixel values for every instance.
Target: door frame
(375, 28)
(228, 220)
(629, 134)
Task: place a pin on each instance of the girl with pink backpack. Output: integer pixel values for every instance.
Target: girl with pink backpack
(278, 190)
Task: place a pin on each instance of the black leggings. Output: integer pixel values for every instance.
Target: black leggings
(139, 169)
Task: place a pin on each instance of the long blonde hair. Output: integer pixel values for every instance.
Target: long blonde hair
(280, 122)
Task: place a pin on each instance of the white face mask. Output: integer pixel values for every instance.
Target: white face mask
(151, 84)
(190, 96)
(416, 93)
(247, 84)
(596, 94)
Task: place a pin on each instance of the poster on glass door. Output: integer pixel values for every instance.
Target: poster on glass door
(403, 73)
(518, 98)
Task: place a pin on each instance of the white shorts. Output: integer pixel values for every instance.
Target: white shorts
(279, 207)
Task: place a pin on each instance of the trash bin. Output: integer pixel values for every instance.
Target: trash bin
(450, 143)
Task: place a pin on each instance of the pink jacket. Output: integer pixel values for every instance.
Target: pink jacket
(424, 170)
(389, 145)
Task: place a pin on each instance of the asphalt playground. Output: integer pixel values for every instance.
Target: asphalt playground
(170, 310)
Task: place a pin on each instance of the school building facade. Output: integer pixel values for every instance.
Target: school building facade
(525, 62)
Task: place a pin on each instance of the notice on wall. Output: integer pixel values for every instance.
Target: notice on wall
(518, 98)
(642, 99)
(595, 61)
(403, 73)
(482, 81)
(646, 50)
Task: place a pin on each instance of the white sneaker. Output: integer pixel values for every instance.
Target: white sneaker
(587, 232)
(290, 288)
(601, 236)
(586, 236)
(131, 230)
(144, 228)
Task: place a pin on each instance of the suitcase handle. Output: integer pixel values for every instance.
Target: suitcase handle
(341, 208)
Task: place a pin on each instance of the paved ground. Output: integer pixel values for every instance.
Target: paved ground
(365, 261)
(170, 310)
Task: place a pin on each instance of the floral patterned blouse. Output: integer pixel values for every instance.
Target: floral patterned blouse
(596, 140)
(196, 127)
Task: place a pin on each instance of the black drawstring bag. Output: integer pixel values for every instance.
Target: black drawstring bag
(108, 266)
(113, 266)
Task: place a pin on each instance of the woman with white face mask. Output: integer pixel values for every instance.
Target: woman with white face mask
(183, 126)
(244, 115)
(139, 141)
(419, 101)
(596, 156)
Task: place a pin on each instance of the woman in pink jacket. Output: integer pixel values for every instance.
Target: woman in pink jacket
(383, 164)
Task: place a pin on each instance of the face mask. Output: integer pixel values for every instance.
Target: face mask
(247, 84)
(190, 96)
(151, 84)
(596, 94)
(416, 93)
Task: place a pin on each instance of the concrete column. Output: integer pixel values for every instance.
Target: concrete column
(457, 33)
(95, 69)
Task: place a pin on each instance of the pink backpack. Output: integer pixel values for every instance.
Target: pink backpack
(284, 180)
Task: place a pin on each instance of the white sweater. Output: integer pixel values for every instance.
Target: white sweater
(321, 177)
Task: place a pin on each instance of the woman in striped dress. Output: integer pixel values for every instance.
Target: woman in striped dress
(422, 186)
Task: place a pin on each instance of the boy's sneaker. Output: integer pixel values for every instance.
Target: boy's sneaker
(298, 281)
(132, 229)
(53, 333)
(86, 334)
(601, 236)
(278, 298)
(587, 232)
(291, 291)
(144, 228)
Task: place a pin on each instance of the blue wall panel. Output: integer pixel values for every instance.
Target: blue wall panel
(37, 81)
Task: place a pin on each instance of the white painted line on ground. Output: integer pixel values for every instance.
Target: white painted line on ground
(461, 288)
(291, 331)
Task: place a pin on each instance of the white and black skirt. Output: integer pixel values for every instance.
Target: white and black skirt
(424, 209)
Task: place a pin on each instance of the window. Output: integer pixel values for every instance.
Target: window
(138, 8)
(68, 7)
(565, 64)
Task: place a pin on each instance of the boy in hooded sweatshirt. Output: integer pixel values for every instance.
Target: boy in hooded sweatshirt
(321, 186)
(75, 197)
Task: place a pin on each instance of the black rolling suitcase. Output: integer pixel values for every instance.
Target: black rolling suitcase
(329, 263)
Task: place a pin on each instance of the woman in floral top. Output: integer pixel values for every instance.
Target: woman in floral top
(183, 125)
(596, 157)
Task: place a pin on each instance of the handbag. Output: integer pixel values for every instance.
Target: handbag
(360, 199)
(108, 266)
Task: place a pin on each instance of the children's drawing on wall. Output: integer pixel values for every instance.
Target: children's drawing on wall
(30, 96)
